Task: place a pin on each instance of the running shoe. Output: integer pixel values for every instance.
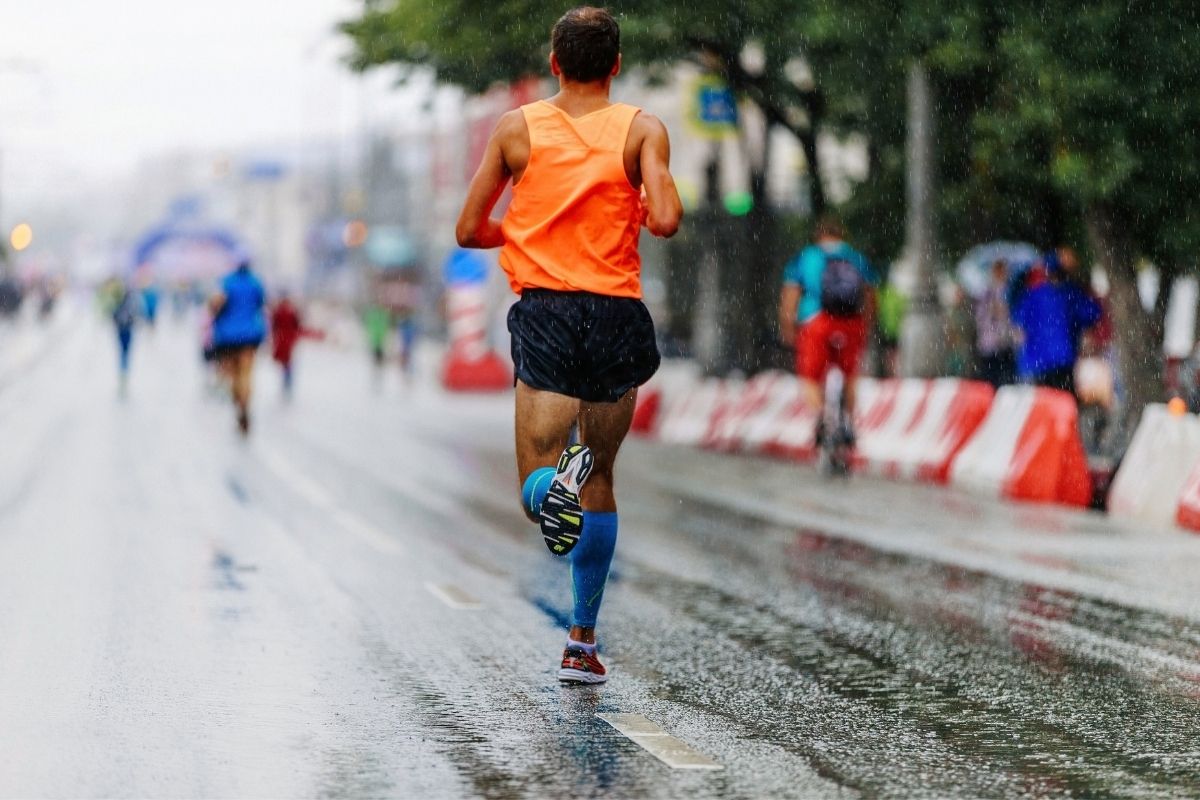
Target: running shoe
(561, 518)
(580, 666)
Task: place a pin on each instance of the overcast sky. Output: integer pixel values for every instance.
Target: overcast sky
(88, 87)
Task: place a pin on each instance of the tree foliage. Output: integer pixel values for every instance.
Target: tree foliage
(1042, 108)
(468, 43)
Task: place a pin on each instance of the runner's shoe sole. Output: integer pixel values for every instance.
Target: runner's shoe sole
(581, 667)
(561, 516)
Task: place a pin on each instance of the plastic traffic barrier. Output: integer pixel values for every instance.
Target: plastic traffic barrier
(1027, 448)
(1162, 456)
(1187, 513)
(761, 428)
(689, 420)
(728, 431)
(882, 433)
(929, 423)
(662, 394)
(795, 434)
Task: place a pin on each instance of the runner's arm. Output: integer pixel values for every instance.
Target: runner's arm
(789, 302)
(663, 209)
(475, 227)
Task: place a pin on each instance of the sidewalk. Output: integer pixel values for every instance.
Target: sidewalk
(1085, 552)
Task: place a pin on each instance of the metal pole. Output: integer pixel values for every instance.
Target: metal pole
(707, 344)
(921, 333)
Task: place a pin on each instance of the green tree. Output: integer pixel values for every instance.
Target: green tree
(1096, 102)
(1057, 123)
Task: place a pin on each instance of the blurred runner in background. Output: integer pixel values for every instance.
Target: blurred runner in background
(125, 304)
(287, 329)
(404, 313)
(582, 341)
(150, 297)
(238, 329)
(397, 294)
(378, 324)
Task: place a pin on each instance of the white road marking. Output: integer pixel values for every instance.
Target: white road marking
(364, 530)
(648, 735)
(453, 596)
(431, 499)
(301, 483)
(316, 494)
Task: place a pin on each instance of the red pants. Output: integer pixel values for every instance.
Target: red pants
(826, 341)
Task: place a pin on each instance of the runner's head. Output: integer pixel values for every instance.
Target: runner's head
(585, 45)
(829, 228)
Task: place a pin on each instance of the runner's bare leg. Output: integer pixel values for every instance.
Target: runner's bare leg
(543, 425)
(602, 427)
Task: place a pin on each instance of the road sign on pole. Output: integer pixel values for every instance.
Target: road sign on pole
(713, 112)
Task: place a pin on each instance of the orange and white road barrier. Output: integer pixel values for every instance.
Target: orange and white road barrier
(1154, 474)
(1027, 448)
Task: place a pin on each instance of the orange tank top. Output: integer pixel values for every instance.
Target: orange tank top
(574, 219)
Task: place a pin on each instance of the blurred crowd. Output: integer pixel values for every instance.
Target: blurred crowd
(1041, 323)
(1011, 315)
(1033, 323)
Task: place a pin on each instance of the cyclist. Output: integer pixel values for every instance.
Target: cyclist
(824, 310)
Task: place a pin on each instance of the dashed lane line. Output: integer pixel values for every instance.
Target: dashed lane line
(453, 596)
(648, 735)
(316, 494)
(364, 530)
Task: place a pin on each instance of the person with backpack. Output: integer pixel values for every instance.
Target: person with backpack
(824, 307)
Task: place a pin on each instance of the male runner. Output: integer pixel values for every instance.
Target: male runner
(239, 327)
(587, 174)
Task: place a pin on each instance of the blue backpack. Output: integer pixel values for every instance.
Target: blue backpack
(843, 288)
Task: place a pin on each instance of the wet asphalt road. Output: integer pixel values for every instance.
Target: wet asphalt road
(351, 605)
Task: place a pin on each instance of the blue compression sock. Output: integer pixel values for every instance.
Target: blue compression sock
(589, 564)
(535, 489)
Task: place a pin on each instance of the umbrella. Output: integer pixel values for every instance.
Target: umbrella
(974, 268)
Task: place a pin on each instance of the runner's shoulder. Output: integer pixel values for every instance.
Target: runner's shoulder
(646, 125)
(510, 126)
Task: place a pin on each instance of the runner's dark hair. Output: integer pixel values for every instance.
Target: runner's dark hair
(829, 226)
(586, 40)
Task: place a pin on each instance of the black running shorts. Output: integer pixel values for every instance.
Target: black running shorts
(589, 346)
